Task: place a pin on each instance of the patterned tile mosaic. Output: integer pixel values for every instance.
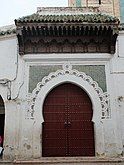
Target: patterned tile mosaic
(37, 73)
(97, 72)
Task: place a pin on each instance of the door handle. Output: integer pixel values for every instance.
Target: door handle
(67, 124)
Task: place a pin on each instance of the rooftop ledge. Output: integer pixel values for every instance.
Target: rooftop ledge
(67, 14)
(7, 30)
(67, 10)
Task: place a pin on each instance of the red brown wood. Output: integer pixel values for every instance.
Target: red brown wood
(67, 128)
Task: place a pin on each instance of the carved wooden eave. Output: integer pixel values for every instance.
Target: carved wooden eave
(66, 36)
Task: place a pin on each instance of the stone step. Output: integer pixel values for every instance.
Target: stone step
(67, 161)
(3, 162)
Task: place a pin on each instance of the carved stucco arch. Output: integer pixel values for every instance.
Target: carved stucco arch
(100, 100)
(97, 107)
(83, 81)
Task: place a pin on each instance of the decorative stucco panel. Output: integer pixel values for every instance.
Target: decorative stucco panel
(68, 71)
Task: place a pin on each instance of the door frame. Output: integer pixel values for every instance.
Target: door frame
(96, 105)
(79, 92)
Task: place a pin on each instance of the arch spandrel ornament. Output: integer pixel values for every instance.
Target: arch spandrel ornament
(68, 71)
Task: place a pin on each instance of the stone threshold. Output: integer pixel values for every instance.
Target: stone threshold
(54, 160)
(64, 160)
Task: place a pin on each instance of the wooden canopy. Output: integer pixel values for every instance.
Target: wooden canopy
(67, 33)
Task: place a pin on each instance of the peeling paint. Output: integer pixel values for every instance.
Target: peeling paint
(100, 155)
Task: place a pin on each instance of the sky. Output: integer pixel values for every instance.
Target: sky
(13, 9)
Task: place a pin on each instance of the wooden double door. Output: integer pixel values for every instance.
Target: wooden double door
(67, 128)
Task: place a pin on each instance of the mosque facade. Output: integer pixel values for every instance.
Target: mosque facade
(61, 83)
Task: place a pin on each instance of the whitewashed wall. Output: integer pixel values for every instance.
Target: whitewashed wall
(117, 81)
(121, 44)
(9, 72)
(8, 57)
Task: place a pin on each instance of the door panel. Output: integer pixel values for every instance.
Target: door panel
(54, 139)
(55, 114)
(67, 128)
(81, 138)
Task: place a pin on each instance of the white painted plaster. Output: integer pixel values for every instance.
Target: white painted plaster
(82, 57)
(66, 10)
(8, 57)
(121, 44)
(114, 85)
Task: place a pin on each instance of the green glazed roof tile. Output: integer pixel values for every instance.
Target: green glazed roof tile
(7, 30)
(91, 18)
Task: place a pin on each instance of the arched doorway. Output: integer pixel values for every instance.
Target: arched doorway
(2, 118)
(68, 128)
